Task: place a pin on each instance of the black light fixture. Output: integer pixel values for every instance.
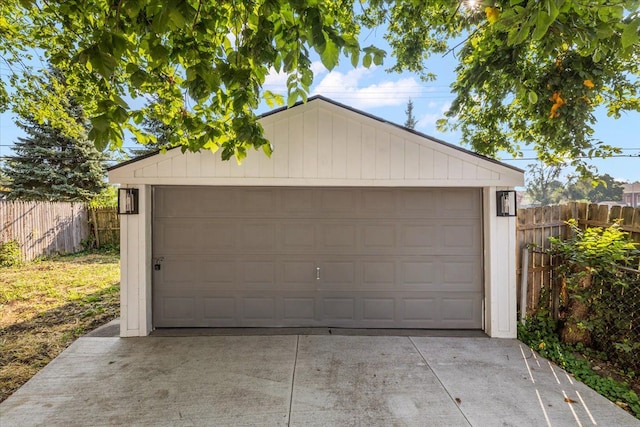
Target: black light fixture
(127, 201)
(506, 203)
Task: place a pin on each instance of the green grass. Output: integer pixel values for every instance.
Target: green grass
(47, 304)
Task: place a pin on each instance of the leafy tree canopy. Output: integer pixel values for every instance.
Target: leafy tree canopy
(531, 72)
(157, 135)
(603, 189)
(543, 184)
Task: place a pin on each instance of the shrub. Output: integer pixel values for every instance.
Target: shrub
(601, 300)
(10, 254)
(539, 334)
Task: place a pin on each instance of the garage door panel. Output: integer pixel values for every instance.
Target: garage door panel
(419, 309)
(338, 236)
(337, 201)
(378, 258)
(258, 272)
(174, 202)
(299, 273)
(296, 236)
(460, 203)
(379, 236)
(416, 203)
(297, 201)
(457, 309)
(299, 309)
(459, 237)
(418, 236)
(339, 308)
(178, 308)
(175, 271)
(337, 274)
(379, 309)
(222, 308)
(447, 310)
(462, 271)
(179, 236)
(261, 200)
(379, 201)
(259, 236)
(217, 272)
(378, 274)
(259, 308)
(419, 275)
(217, 236)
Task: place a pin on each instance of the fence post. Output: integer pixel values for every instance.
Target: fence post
(94, 219)
(523, 283)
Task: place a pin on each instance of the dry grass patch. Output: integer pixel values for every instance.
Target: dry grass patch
(46, 305)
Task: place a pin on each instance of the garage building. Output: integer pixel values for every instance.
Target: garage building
(353, 222)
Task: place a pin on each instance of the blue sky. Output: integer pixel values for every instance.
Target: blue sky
(384, 94)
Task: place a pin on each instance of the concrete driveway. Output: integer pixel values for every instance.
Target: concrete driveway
(305, 380)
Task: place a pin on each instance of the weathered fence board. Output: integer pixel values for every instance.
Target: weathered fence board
(536, 225)
(105, 227)
(43, 228)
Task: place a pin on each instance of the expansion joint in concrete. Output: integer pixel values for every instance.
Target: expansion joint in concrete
(453, 399)
(293, 379)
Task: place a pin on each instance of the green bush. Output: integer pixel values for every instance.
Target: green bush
(10, 254)
(539, 333)
(108, 198)
(602, 297)
(597, 314)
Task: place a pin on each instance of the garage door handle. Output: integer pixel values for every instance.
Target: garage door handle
(317, 273)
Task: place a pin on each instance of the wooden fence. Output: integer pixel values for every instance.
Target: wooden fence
(536, 225)
(105, 227)
(44, 228)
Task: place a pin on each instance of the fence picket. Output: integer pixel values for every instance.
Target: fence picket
(536, 225)
(43, 228)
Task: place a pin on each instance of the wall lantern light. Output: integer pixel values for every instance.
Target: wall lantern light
(127, 201)
(506, 203)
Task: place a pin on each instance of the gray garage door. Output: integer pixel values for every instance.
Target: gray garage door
(345, 257)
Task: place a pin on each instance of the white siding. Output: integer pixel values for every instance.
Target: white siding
(323, 144)
(135, 269)
(500, 269)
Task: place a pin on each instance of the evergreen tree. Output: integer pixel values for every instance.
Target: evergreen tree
(4, 183)
(51, 166)
(411, 120)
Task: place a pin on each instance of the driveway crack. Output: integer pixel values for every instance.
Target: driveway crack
(293, 379)
(453, 399)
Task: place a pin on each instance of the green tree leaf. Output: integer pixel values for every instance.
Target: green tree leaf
(208, 61)
(630, 33)
(330, 55)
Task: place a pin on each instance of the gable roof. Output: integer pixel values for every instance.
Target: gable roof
(324, 142)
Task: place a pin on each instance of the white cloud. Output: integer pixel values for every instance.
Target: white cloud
(277, 82)
(318, 69)
(428, 120)
(347, 88)
(436, 111)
